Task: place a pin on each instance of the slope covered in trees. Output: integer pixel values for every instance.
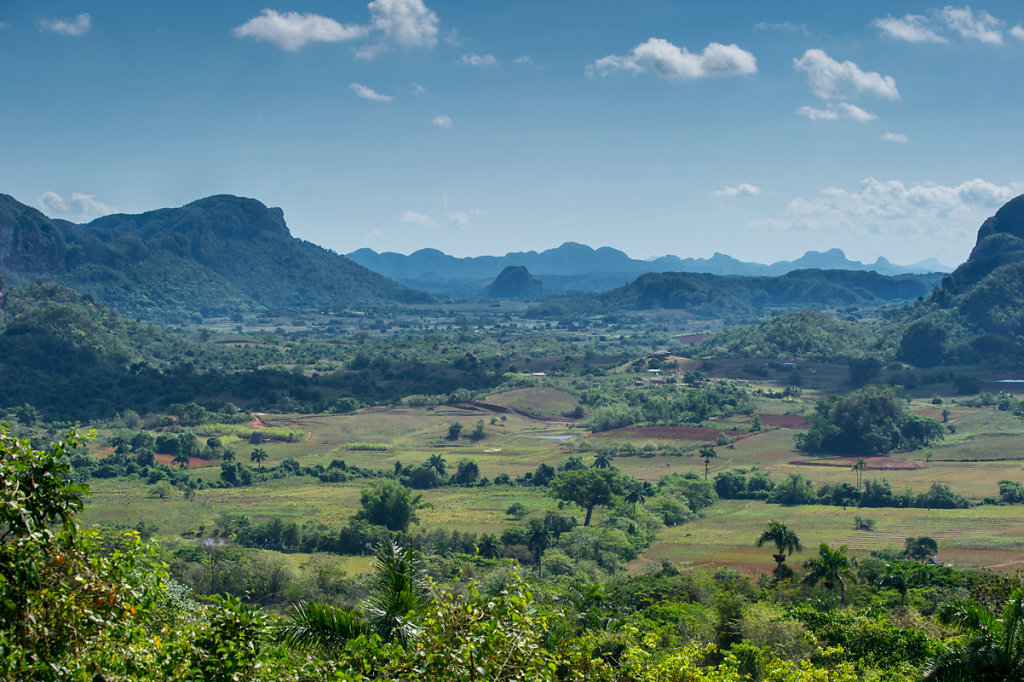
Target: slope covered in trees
(213, 256)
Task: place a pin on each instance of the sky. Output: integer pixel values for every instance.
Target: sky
(756, 129)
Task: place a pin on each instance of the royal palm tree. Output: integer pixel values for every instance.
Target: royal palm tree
(258, 455)
(898, 579)
(638, 494)
(831, 568)
(786, 542)
(707, 454)
(538, 539)
(397, 588)
(859, 467)
(438, 463)
(602, 460)
(995, 650)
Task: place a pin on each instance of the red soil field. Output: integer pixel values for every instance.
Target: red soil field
(663, 433)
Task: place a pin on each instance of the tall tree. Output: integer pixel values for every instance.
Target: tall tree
(638, 494)
(786, 542)
(859, 467)
(397, 588)
(831, 568)
(258, 455)
(707, 454)
(390, 504)
(538, 539)
(587, 488)
(602, 460)
(438, 463)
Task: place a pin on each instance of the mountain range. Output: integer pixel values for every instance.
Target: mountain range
(579, 267)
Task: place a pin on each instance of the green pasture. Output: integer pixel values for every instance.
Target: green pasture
(987, 536)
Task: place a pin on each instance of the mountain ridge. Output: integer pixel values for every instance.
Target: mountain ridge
(217, 255)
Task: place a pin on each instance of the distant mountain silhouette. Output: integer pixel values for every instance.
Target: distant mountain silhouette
(515, 281)
(214, 256)
(605, 267)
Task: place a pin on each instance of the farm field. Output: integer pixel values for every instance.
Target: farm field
(520, 436)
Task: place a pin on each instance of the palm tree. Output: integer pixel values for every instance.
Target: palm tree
(325, 627)
(602, 460)
(831, 568)
(489, 547)
(859, 467)
(639, 494)
(995, 650)
(258, 455)
(707, 454)
(898, 579)
(438, 463)
(397, 587)
(538, 539)
(786, 542)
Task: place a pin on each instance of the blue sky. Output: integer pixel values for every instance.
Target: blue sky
(752, 128)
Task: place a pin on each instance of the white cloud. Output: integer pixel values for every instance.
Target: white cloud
(913, 28)
(741, 190)
(79, 26)
(983, 27)
(818, 114)
(665, 60)
(896, 137)
(408, 23)
(76, 206)
(830, 79)
(421, 219)
(781, 26)
(892, 208)
(834, 113)
(956, 21)
(369, 93)
(292, 30)
(3, 25)
(856, 113)
(525, 59)
(462, 218)
(417, 89)
(478, 59)
(442, 122)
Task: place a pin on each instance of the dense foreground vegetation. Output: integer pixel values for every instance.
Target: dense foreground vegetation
(78, 604)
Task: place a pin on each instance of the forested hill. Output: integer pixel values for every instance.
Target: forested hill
(718, 296)
(977, 314)
(214, 256)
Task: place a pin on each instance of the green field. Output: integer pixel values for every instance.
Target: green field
(981, 536)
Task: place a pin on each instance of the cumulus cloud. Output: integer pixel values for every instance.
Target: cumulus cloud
(75, 206)
(830, 79)
(78, 26)
(291, 30)
(913, 28)
(442, 122)
(369, 93)
(1017, 32)
(408, 23)
(741, 190)
(478, 59)
(983, 27)
(421, 219)
(894, 208)
(525, 59)
(896, 137)
(834, 113)
(462, 218)
(665, 60)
